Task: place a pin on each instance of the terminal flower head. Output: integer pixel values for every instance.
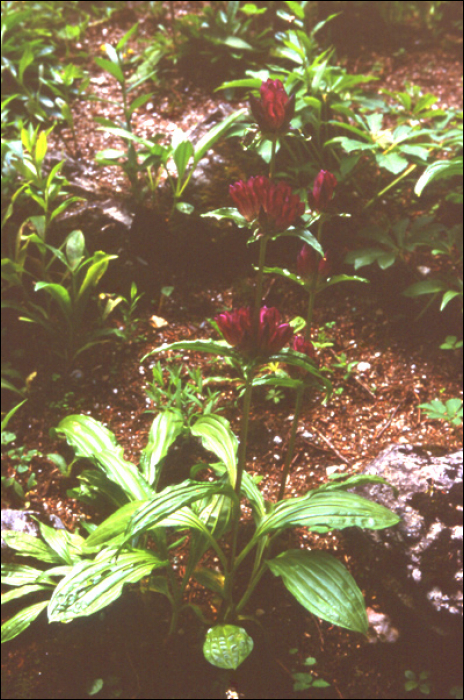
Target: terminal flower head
(273, 205)
(237, 328)
(274, 111)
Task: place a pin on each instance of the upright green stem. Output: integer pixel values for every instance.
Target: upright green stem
(291, 444)
(259, 283)
(300, 390)
(229, 575)
(313, 289)
(273, 155)
(405, 173)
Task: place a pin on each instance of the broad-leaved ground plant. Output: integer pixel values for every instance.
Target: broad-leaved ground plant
(140, 538)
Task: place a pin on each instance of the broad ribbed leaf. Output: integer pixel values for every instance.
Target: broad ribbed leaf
(92, 585)
(19, 574)
(329, 510)
(254, 495)
(90, 439)
(217, 436)
(68, 546)
(20, 592)
(111, 531)
(214, 513)
(227, 646)
(87, 436)
(30, 546)
(164, 430)
(322, 585)
(21, 621)
(170, 500)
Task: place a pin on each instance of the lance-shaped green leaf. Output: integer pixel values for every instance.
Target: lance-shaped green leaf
(303, 235)
(299, 359)
(92, 585)
(329, 510)
(219, 348)
(227, 646)
(425, 287)
(59, 294)
(322, 585)
(164, 430)
(341, 482)
(214, 513)
(22, 591)
(254, 495)
(229, 213)
(439, 169)
(91, 439)
(336, 279)
(20, 575)
(216, 435)
(171, 499)
(183, 151)
(284, 273)
(111, 531)
(68, 546)
(30, 546)
(75, 249)
(21, 621)
(249, 489)
(94, 274)
(205, 143)
(113, 68)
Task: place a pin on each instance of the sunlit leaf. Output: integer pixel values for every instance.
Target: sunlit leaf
(164, 430)
(328, 510)
(217, 436)
(322, 585)
(92, 585)
(21, 621)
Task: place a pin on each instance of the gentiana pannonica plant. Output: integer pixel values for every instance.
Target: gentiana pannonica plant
(140, 539)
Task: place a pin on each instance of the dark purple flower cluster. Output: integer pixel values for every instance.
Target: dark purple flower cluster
(237, 328)
(273, 205)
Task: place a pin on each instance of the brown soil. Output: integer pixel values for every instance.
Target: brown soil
(371, 409)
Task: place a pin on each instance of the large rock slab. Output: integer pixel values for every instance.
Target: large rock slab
(417, 565)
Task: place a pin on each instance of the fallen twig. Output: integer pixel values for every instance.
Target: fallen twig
(389, 421)
(332, 447)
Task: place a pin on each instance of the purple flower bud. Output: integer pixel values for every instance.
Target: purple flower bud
(323, 190)
(275, 110)
(305, 346)
(309, 262)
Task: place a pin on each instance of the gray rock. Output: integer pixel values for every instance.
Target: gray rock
(22, 521)
(418, 563)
